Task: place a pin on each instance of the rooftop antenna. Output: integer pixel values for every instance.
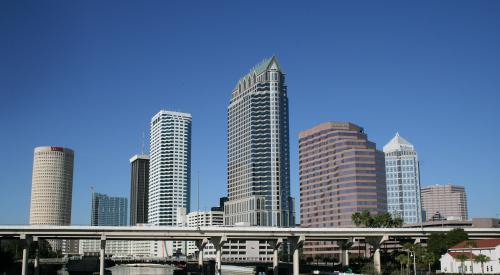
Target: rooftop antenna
(198, 191)
(143, 138)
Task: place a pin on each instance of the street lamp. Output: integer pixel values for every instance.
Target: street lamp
(414, 265)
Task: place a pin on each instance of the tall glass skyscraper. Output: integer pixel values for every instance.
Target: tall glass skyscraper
(403, 180)
(108, 211)
(258, 149)
(169, 171)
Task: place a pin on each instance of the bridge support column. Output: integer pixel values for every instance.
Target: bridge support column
(275, 245)
(201, 246)
(345, 245)
(376, 242)
(218, 242)
(25, 246)
(297, 243)
(376, 261)
(102, 255)
(37, 256)
(345, 257)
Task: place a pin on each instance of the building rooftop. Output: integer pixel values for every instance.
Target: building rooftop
(398, 143)
(260, 68)
(135, 157)
(488, 243)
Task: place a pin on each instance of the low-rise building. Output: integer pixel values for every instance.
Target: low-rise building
(450, 262)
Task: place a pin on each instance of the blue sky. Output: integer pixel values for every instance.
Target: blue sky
(89, 75)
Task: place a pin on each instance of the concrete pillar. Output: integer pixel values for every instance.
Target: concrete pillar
(345, 245)
(297, 243)
(37, 256)
(345, 257)
(376, 261)
(218, 242)
(275, 245)
(102, 255)
(25, 247)
(218, 260)
(201, 246)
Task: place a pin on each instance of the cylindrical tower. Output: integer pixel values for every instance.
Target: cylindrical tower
(52, 186)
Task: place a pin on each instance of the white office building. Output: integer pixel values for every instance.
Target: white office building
(403, 180)
(170, 172)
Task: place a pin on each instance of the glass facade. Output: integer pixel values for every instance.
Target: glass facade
(403, 180)
(108, 211)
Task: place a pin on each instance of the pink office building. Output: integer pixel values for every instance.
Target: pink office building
(341, 172)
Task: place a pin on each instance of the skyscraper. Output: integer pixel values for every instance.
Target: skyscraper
(258, 149)
(108, 211)
(170, 171)
(402, 171)
(448, 199)
(139, 188)
(340, 172)
(52, 187)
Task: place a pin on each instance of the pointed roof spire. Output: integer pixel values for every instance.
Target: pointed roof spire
(264, 65)
(398, 143)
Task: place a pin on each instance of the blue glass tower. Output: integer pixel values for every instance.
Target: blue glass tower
(108, 211)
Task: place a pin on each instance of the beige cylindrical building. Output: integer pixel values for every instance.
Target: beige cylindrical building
(52, 186)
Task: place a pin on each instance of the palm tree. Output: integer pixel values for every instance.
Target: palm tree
(356, 219)
(318, 258)
(429, 259)
(402, 260)
(462, 258)
(482, 259)
(471, 244)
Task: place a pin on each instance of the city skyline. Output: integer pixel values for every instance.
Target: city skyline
(440, 70)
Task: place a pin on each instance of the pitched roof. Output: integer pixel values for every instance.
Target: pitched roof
(468, 254)
(260, 68)
(488, 243)
(397, 143)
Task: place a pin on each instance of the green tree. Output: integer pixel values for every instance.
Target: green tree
(318, 258)
(471, 244)
(481, 258)
(455, 236)
(309, 260)
(402, 259)
(462, 258)
(356, 219)
(397, 222)
(429, 259)
(436, 244)
(365, 219)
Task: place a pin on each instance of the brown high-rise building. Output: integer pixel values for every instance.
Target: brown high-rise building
(341, 172)
(447, 201)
